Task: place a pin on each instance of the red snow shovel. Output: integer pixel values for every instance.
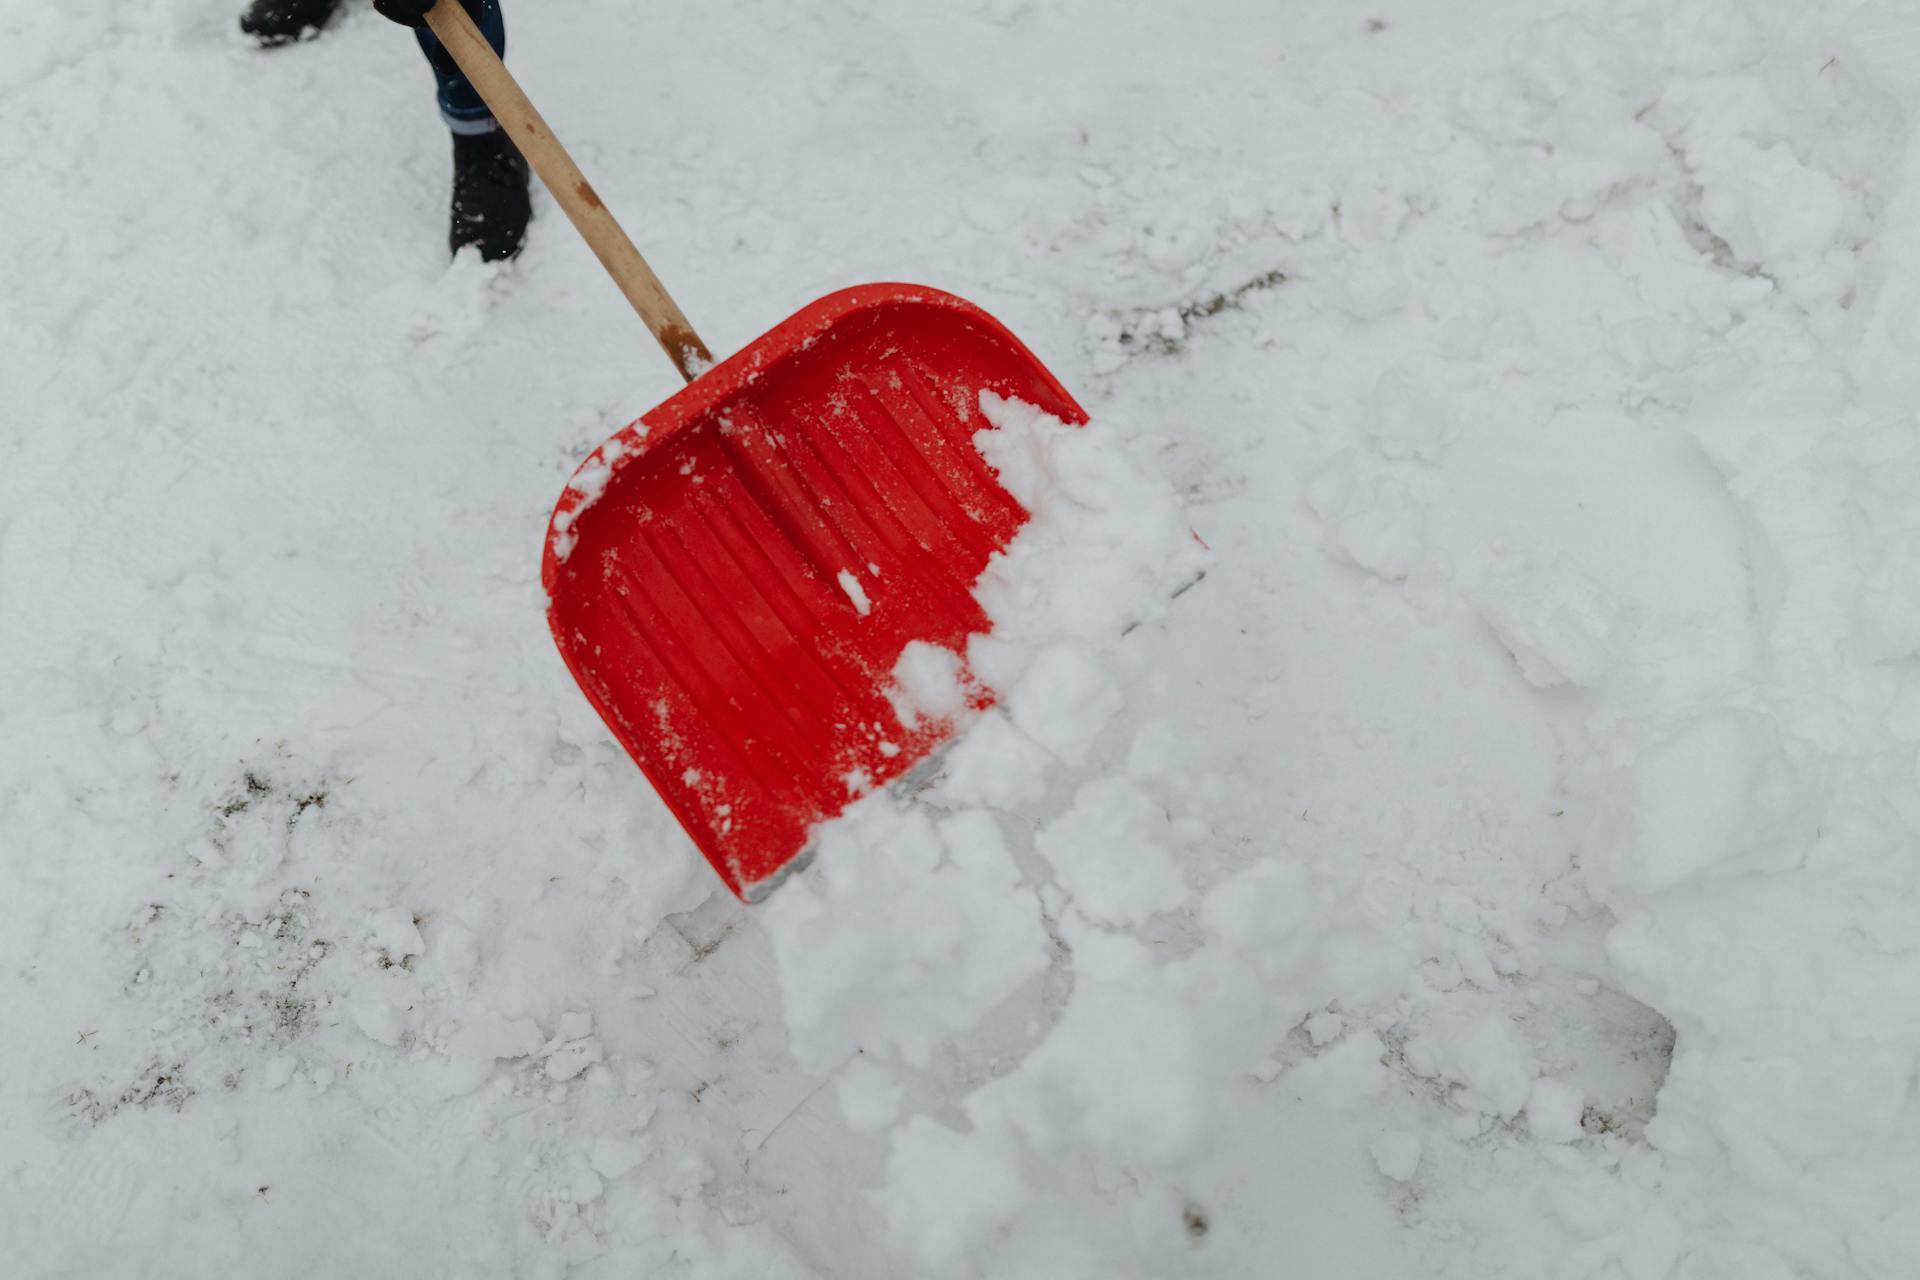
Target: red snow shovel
(733, 578)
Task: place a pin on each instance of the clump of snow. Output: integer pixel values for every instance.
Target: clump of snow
(953, 1190)
(396, 934)
(1560, 625)
(589, 481)
(1323, 1027)
(573, 1049)
(1107, 543)
(908, 929)
(1112, 853)
(1064, 699)
(378, 1015)
(1484, 1056)
(1397, 1154)
(995, 765)
(1553, 1110)
(855, 592)
(1718, 798)
(615, 1158)
(931, 682)
(1349, 1076)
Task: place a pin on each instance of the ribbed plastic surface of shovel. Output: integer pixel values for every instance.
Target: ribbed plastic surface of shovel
(733, 578)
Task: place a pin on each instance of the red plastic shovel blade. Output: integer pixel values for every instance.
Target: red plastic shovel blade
(733, 578)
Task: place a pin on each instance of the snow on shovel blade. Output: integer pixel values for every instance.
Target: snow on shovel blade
(733, 578)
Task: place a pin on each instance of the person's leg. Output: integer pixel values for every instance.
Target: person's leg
(460, 102)
(490, 202)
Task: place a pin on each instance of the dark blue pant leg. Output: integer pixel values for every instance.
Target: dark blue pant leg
(459, 102)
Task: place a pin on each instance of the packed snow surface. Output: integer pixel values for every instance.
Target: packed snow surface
(1505, 863)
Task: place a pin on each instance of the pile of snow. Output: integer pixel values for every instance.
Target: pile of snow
(1106, 548)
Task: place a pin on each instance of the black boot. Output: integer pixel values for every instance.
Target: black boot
(273, 22)
(490, 203)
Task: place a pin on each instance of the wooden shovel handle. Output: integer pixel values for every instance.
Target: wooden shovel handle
(570, 187)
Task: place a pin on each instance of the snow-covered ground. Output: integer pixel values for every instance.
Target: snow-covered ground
(1505, 863)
